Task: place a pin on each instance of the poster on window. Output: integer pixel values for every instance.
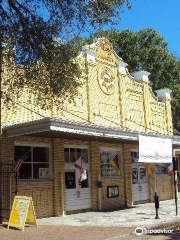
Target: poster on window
(155, 149)
(135, 175)
(43, 172)
(142, 173)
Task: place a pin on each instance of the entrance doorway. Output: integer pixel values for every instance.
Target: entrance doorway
(139, 180)
(78, 193)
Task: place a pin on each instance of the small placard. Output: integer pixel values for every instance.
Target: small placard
(112, 191)
(43, 172)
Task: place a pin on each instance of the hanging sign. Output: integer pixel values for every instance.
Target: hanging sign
(155, 149)
(22, 212)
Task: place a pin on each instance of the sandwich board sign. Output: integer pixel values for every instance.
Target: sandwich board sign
(22, 213)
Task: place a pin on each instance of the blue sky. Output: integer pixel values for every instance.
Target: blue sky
(163, 15)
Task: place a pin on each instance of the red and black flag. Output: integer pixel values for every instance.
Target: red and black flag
(115, 163)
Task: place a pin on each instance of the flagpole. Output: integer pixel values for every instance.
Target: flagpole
(16, 189)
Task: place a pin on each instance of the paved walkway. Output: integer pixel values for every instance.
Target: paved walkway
(142, 215)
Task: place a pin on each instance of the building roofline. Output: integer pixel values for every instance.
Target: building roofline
(51, 127)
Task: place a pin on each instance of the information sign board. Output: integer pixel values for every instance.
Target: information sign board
(155, 149)
(22, 212)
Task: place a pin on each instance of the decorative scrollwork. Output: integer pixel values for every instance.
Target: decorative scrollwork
(107, 81)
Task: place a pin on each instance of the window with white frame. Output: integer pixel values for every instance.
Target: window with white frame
(36, 161)
(72, 154)
(106, 158)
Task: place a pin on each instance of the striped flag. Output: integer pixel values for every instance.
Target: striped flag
(170, 169)
(18, 164)
(20, 161)
(83, 176)
(114, 162)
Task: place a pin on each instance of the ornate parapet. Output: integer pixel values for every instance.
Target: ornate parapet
(141, 76)
(164, 96)
(121, 66)
(163, 93)
(89, 53)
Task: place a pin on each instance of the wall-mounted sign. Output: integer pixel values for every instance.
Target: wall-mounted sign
(155, 149)
(22, 212)
(43, 172)
(112, 191)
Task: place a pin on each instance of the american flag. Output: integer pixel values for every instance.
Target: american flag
(19, 162)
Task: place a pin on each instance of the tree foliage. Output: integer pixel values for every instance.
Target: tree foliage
(32, 24)
(147, 50)
(40, 33)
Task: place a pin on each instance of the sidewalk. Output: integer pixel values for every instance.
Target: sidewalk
(114, 225)
(142, 215)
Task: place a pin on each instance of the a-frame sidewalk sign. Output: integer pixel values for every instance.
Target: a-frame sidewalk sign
(22, 213)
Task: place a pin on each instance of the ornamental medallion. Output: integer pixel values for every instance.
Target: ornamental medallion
(107, 81)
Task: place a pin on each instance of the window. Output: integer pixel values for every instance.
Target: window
(107, 170)
(70, 179)
(72, 154)
(162, 168)
(36, 162)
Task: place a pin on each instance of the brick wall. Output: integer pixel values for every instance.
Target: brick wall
(42, 196)
(128, 173)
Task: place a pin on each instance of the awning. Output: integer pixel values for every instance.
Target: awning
(55, 128)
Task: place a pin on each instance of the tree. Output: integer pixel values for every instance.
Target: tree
(40, 33)
(32, 25)
(147, 50)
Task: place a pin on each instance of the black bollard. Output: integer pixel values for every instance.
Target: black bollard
(156, 201)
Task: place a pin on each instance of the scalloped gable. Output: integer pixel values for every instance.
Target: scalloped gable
(108, 96)
(104, 50)
(119, 98)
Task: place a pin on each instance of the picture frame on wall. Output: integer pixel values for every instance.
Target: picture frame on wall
(112, 191)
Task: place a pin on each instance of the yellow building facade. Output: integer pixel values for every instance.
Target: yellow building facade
(102, 123)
